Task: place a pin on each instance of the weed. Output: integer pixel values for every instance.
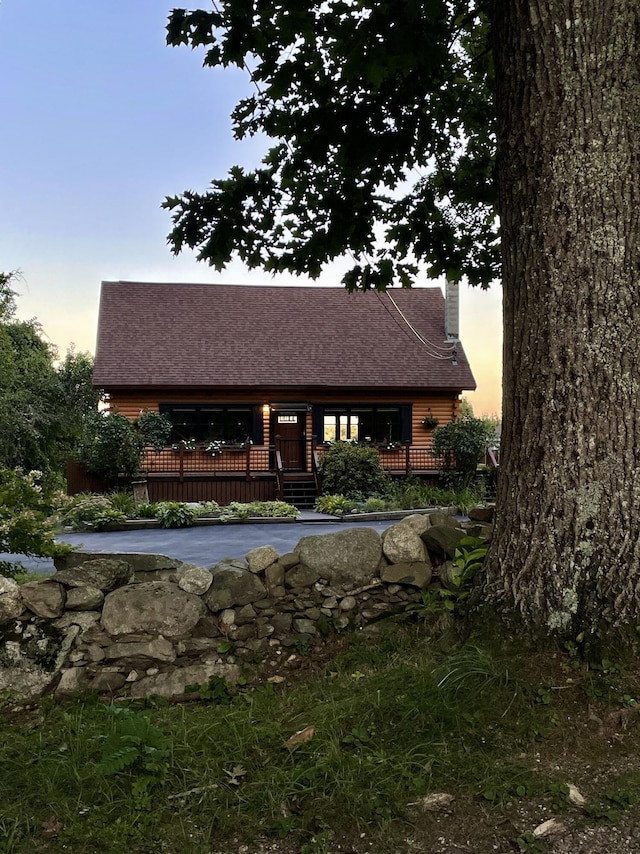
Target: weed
(136, 746)
(457, 578)
(216, 690)
(530, 844)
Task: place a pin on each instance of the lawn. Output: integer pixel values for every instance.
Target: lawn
(413, 735)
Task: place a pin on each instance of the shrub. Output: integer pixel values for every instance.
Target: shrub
(237, 510)
(279, 509)
(26, 524)
(462, 443)
(145, 511)
(89, 512)
(374, 505)
(124, 502)
(207, 507)
(349, 469)
(334, 505)
(155, 428)
(175, 514)
(112, 447)
(412, 494)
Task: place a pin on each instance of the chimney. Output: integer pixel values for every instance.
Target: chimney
(452, 311)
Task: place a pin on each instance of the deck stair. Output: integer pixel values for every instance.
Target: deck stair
(299, 490)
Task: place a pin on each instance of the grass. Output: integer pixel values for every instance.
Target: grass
(394, 721)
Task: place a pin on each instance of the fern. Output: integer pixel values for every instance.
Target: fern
(116, 756)
(134, 744)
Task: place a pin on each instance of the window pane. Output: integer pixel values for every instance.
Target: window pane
(329, 431)
(210, 423)
(387, 424)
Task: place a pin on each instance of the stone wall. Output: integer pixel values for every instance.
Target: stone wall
(140, 625)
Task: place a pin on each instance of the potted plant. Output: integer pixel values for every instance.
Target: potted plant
(430, 421)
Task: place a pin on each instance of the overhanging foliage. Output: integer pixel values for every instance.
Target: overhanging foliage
(381, 118)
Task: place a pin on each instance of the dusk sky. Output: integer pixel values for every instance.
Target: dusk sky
(101, 120)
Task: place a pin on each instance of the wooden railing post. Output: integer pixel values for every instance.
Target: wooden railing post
(248, 463)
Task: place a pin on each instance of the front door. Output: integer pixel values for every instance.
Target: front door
(287, 428)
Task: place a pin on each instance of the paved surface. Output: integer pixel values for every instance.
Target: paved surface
(204, 546)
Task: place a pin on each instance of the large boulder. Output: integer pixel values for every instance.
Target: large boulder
(140, 561)
(348, 558)
(262, 557)
(233, 585)
(174, 683)
(84, 599)
(443, 539)
(447, 519)
(414, 574)
(154, 607)
(44, 598)
(11, 605)
(156, 649)
(401, 543)
(31, 654)
(104, 573)
(482, 514)
(418, 521)
(194, 579)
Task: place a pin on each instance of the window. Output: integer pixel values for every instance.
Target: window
(375, 424)
(208, 423)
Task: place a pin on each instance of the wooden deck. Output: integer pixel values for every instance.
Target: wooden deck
(246, 474)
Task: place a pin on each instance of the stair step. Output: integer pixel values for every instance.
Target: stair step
(300, 492)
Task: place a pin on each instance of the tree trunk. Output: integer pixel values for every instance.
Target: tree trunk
(566, 551)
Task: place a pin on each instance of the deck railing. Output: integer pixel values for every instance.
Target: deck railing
(231, 460)
(250, 460)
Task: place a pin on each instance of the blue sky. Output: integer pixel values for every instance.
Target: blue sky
(100, 121)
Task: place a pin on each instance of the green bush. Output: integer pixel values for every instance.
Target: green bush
(334, 505)
(112, 447)
(374, 505)
(155, 428)
(90, 512)
(351, 470)
(145, 511)
(279, 509)
(26, 524)
(207, 507)
(461, 444)
(124, 502)
(175, 514)
(235, 510)
(413, 494)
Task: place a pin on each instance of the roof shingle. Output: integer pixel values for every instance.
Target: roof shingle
(252, 335)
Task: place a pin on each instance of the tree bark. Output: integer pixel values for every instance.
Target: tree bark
(566, 550)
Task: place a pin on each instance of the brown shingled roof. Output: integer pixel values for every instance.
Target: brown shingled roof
(244, 335)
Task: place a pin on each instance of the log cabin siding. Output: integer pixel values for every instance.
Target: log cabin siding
(441, 405)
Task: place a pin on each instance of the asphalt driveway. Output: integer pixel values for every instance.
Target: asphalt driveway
(204, 546)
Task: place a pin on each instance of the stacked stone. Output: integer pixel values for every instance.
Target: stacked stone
(148, 624)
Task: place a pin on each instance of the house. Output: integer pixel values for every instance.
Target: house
(258, 379)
